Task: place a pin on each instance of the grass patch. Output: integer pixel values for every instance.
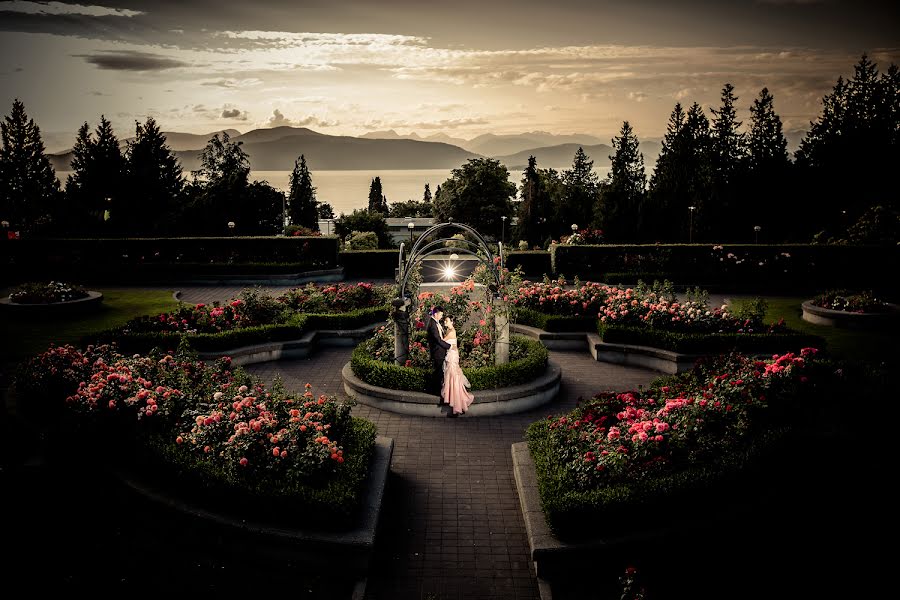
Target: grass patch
(874, 347)
(30, 334)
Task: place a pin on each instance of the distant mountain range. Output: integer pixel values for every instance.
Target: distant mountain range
(275, 149)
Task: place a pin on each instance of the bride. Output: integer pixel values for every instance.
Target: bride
(454, 390)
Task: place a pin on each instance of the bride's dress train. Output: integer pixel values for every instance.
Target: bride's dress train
(454, 391)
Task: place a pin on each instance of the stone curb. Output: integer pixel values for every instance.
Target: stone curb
(300, 348)
(488, 403)
(351, 548)
(91, 303)
(849, 320)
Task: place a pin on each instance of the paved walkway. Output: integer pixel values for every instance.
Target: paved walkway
(452, 527)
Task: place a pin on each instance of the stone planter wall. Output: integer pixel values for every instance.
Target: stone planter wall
(502, 401)
(890, 318)
(82, 305)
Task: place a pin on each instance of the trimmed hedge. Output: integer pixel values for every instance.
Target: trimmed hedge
(554, 323)
(397, 377)
(787, 266)
(534, 263)
(575, 514)
(372, 264)
(135, 258)
(703, 343)
(245, 336)
(334, 502)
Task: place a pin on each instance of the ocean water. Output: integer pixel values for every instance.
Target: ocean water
(349, 190)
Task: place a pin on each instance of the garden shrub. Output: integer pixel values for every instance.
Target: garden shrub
(673, 446)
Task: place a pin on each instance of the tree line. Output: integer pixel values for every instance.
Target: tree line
(714, 180)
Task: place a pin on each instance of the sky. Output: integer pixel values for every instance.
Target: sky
(463, 67)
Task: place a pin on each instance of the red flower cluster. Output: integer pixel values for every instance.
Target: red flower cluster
(617, 437)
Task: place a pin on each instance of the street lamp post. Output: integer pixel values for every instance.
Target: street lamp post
(231, 227)
(574, 227)
(410, 225)
(691, 225)
(284, 216)
(503, 230)
(756, 230)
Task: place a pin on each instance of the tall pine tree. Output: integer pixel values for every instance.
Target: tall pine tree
(377, 200)
(535, 211)
(622, 194)
(29, 190)
(302, 197)
(728, 162)
(426, 195)
(582, 188)
(154, 185)
(856, 134)
(771, 201)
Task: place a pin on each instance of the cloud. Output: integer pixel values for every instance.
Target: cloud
(279, 120)
(60, 8)
(232, 83)
(439, 124)
(637, 96)
(131, 60)
(234, 113)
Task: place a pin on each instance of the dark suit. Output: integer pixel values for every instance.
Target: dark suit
(437, 347)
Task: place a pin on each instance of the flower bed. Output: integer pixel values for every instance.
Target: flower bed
(527, 361)
(256, 318)
(47, 293)
(620, 455)
(218, 427)
(847, 301)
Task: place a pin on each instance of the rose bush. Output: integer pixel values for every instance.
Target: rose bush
(47, 293)
(214, 422)
(857, 302)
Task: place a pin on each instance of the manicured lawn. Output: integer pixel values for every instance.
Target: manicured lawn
(27, 335)
(870, 346)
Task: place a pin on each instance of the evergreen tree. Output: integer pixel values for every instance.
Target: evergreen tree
(302, 197)
(153, 184)
(622, 194)
(477, 194)
(727, 161)
(857, 133)
(771, 198)
(94, 189)
(535, 209)
(29, 190)
(681, 179)
(582, 188)
(377, 200)
(426, 196)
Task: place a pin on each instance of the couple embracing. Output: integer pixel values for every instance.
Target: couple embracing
(448, 379)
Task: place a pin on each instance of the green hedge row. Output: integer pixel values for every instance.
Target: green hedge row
(334, 502)
(132, 258)
(397, 377)
(752, 266)
(245, 336)
(535, 264)
(370, 264)
(575, 514)
(703, 343)
(554, 323)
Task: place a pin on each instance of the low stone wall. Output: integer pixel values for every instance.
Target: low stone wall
(82, 305)
(301, 348)
(351, 549)
(645, 357)
(487, 403)
(890, 318)
(320, 276)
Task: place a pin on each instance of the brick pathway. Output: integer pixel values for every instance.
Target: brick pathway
(452, 527)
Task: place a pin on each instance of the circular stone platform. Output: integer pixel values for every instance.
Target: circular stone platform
(92, 302)
(488, 403)
(888, 318)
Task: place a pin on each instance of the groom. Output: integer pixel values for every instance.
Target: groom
(437, 347)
